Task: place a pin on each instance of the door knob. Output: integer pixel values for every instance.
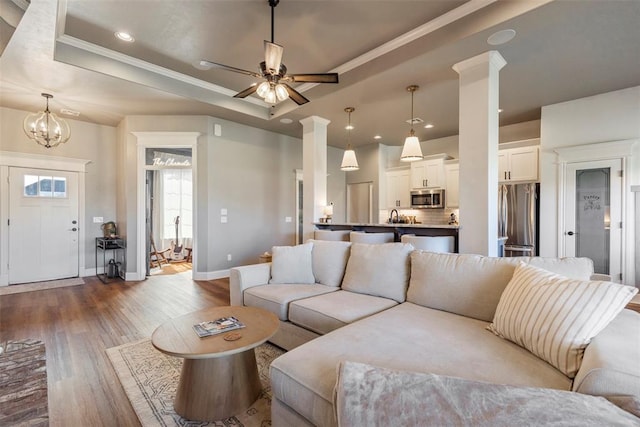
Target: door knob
(74, 222)
(570, 233)
(74, 229)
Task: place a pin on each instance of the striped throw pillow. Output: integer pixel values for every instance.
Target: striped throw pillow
(554, 317)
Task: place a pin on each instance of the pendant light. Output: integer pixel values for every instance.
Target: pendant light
(411, 150)
(45, 128)
(349, 161)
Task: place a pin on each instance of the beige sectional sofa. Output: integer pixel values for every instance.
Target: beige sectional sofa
(398, 308)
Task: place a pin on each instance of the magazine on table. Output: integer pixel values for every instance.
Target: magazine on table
(218, 326)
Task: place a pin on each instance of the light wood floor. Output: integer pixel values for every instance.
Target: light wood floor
(78, 323)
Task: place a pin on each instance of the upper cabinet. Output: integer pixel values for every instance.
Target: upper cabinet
(428, 173)
(452, 180)
(397, 188)
(518, 164)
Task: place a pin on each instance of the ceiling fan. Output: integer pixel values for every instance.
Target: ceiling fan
(275, 86)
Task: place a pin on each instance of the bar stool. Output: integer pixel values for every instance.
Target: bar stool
(442, 244)
(339, 235)
(371, 238)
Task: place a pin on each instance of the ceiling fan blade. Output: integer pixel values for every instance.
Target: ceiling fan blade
(210, 64)
(248, 91)
(272, 56)
(295, 95)
(313, 78)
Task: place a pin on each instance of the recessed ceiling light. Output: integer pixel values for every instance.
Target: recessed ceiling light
(286, 121)
(377, 137)
(349, 127)
(501, 37)
(124, 36)
(499, 110)
(428, 126)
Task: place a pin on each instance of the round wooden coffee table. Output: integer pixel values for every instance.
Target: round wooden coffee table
(219, 378)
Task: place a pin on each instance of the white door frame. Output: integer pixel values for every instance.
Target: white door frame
(622, 150)
(165, 140)
(38, 161)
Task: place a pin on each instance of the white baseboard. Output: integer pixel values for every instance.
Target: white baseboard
(211, 275)
(134, 277)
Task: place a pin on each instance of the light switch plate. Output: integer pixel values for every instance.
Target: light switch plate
(98, 220)
(223, 219)
(287, 219)
(223, 211)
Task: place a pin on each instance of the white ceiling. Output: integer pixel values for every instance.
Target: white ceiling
(563, 50)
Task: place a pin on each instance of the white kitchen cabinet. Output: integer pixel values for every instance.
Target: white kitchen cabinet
(398, 189)
(452, 185)
(427, 173)
(518, 164)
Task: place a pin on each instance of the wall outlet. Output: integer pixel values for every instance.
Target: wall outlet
(287, 219)
(98, 220)
(228, 257)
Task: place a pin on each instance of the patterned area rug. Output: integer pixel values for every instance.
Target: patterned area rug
(39, 286)
(150, 378)
(23, 384)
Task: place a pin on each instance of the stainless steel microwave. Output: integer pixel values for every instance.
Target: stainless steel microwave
(427, 199)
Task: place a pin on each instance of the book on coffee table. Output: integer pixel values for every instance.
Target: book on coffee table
(218, 326)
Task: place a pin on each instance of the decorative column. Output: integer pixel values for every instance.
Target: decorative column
(314, 172)
(478, 151)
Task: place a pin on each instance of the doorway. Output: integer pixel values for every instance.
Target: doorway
(169, 210)
(592, 223)
(43, 225)
(360, 203)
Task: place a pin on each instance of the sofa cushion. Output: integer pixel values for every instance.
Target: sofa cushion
(471, 285)
(292, 264)
(372, 396)
(405, 337)
(329, 259)
(324, 313)
(378, 269)
(555, 317)
(276, 298)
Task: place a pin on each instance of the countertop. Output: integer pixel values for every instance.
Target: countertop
(395, 224)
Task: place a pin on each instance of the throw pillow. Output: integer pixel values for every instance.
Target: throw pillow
(292, 264)
(380, 270)
(555, 317)
(329, 260)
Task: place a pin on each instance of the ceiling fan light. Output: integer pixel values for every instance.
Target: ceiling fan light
(349, 161)
(281, 92)
(411, 150)
(271, 97)
(263, 89)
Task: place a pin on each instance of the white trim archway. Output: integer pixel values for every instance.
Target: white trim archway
(166, 140)
(38, 161)
(622, 150)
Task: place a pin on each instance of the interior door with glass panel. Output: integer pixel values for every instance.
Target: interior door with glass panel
(43, 225)
(593, 214)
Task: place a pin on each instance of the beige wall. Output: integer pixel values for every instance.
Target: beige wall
(612, 116)
(96, 143)
(247, 171)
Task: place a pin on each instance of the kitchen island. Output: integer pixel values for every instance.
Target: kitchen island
(397, 228)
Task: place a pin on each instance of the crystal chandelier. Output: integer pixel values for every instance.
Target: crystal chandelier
(45, 128)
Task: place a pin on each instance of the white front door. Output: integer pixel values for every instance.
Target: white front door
(43, 225)
(593, 214)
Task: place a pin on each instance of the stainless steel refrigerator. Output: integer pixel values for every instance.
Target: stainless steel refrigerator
(518, 218)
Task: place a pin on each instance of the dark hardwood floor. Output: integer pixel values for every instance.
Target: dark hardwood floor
(77, 325)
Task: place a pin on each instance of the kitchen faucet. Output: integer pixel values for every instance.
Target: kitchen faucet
(391, 216)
